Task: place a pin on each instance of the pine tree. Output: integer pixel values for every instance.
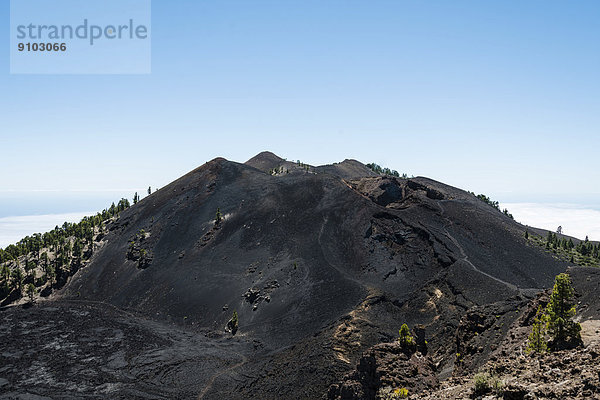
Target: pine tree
(5, 273)
(50, 274)
(18, 278)
(560, 312)
(407, 342)
(526, 234)
(31, 291)
(234, 319)
(537, 340)
(218, 217)
(233, 324)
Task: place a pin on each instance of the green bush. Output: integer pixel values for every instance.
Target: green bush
(406, 340)
(387, 393)
(560, 312)
(481, 382)
(484, 383)
(31, 292)
(232, 324)
(537, 340)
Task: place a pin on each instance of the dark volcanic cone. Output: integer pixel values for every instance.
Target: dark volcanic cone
(320, 263)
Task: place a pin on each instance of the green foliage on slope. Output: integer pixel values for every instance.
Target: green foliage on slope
(537, 338)
(584, 253)
(492, 203)
(560, 313)
(385, 171)
(55, 255)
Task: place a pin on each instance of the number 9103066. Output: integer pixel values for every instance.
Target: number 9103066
(42, 46)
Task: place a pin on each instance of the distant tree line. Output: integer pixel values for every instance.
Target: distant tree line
(385, 171)
(493, 203)
(302, 165)
(57, 254)
(583, 253)
(278, 171)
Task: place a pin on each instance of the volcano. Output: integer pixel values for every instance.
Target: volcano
(319, 264)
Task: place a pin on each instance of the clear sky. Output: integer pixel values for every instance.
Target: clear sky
(497, 97)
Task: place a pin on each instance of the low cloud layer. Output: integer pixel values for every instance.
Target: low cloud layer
(576, 220)
(13, 229)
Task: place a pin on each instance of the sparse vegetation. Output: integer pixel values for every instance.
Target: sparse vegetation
(537, 338)
(584, 253)
(141, 260)
(556, 320)
(277, 171)
(493, 203)
(31, 292)
(387, 393)
(407, 342)
(136, 252)
(560, 312)
(481, 383)
(233, 324)
(385, 171)
(497, 386)
(484, 383)
(304, 166)
(55, 255)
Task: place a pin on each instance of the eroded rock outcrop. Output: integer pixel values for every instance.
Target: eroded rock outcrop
(386, 365)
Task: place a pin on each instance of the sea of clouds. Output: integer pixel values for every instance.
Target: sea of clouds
(13, 229)
(576, 220)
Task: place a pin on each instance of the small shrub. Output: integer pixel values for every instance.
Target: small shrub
(406, 340)
(537, 340)
(387, 393)
(459, 358)
(232, 324)
(485, 383)
(31, 292)
(497, 386)
(481, 382)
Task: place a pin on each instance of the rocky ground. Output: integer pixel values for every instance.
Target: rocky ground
(565, 374)
(86, 350)
(505, 367)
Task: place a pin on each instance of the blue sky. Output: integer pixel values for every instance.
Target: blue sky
(497, 97)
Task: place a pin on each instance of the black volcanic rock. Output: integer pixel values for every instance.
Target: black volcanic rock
(265, 161)
(347, 169)
(386, 366)
(319, 263)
